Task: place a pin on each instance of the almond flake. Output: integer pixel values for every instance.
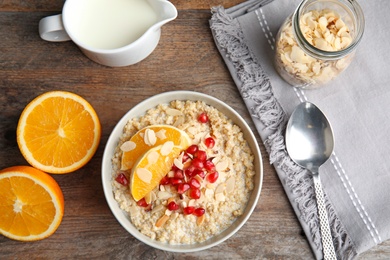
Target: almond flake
(191, 203)
(153, 157)
(144, 174)
(171, 174)
(209, 193)
(173, 112)
(230, 183)
(150, 137)
(178, 163)
(163, 195)
(161, 134)
(219, 197)
(222, 165)
(200, 220)
(168, 212)
(180, 120)
(128, 146)
(166, 148)
(158, 208)
(161, 221)
(220, 188)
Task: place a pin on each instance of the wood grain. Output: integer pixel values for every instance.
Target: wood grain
(185, 59)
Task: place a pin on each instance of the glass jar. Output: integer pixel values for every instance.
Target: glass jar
(318, 41)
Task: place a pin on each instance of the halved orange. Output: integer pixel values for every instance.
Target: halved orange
(151, 168)
(58, 132)
(139, 143)
(31, 204)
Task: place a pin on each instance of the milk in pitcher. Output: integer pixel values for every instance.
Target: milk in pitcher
(111, 24)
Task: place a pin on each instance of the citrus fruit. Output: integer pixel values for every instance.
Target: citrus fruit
(151, 168)
(31, 203)
(58, 132)
(149, 137)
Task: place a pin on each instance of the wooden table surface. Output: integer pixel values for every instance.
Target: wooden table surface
(185, 59)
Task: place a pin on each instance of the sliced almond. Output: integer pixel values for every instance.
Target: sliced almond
(166, 148)
(178, 163)
(200, 220)
(163, 195)
(128, 146)
(168, 212)
(144, 174)
(161, 221)
(222, 165)
(171, 174)
(180, 120)
(149, 197)
(158, 208)
(153, 157)
(191, 203)
(150, 135)
(220, 197)
(173, 112)
(230, 184)
(161, 134)
(133, 210)
(220, 188)
(209, 193)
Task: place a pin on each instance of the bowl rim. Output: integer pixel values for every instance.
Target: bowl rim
(140, 109)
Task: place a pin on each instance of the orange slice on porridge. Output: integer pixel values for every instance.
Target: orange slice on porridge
(151, 168)
(149, 137)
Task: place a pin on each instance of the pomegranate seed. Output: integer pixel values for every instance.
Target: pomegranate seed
(197, 163)
(203, 118)
(212, 177)
(201, 155)
(121, 178)
(173, 206)
(209, 165)
(182, 187)
(209, 142)
(199, 172)
(192, 149)
(178, 174)
(165, 180)
(195, 193)
(188, 210)
(190, 171)
(194, 183)
(199, 212)
(176, 181)
(142, 203)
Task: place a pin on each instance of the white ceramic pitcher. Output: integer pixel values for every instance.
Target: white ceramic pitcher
(65, 26)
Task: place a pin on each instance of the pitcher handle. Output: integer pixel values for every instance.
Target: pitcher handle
(52, 29)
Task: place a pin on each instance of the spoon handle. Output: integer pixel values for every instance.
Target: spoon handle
(326, 236)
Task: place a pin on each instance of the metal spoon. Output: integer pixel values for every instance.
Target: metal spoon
(309, 142)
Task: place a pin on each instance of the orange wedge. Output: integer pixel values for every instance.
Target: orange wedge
(151, 168)
(31, 204)
(148, 137)
(58, 132)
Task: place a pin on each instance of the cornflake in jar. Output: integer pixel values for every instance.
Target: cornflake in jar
(314, 46)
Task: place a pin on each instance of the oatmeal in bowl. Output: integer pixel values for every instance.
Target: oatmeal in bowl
(182, 171)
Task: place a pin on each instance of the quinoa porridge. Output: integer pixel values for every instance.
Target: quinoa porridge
(164, 214)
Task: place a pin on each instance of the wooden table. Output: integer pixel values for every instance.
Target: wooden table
(185, 59)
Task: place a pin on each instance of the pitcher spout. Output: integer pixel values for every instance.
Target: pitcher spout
(165, 11)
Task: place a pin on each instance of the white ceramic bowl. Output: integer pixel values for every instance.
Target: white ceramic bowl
(139, 110)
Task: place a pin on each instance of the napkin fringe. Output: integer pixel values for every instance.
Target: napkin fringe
(257, 88)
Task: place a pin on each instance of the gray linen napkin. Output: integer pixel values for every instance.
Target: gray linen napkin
(356, 179)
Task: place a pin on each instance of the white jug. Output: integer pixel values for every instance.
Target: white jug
(110, 32)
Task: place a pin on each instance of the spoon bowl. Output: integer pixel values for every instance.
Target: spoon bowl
(309, 137)
(310, 142)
